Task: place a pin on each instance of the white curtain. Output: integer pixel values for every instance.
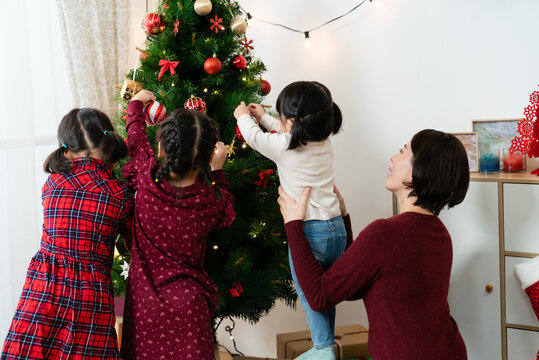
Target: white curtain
(40, 81)
(95, 34)
(34, 95)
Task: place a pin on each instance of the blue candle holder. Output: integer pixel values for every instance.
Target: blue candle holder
(489, 163)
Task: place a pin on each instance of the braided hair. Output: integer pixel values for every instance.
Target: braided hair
(85, 130)
(316, 116)
(188, 139)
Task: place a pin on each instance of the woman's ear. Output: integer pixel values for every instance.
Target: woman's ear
(160, 151)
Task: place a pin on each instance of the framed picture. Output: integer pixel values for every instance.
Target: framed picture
(469, 140)
(494, 135)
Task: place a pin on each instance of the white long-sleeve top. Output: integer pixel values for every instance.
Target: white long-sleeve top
(309, 165)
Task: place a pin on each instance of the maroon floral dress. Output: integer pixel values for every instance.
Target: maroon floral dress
(66, 310)
(169, 298)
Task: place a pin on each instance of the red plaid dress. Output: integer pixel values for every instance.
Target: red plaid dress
(66, 310)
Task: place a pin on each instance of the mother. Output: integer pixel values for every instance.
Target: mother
(400, 266)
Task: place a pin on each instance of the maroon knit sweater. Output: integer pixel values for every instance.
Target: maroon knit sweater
(401, 267)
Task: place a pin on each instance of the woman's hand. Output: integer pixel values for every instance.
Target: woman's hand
(341, 201)
(241, 110)
(144, 96)
(290, 209)
(256, 110)
(219, 156)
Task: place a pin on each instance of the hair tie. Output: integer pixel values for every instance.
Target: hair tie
(105, 132)
(64, 146)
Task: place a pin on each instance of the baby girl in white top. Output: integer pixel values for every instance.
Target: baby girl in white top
(299, 145)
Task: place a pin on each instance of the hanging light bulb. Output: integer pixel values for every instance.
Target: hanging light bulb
(308, 40)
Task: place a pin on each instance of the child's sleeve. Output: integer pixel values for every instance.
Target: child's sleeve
(228, 214)
(268, 144)
(140, 149)
(270, 123)
(125, 220)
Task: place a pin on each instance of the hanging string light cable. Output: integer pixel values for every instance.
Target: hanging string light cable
(305, 32)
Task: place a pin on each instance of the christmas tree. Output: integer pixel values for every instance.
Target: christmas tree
(198, 56)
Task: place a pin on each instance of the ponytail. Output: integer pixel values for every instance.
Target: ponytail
(56, 162)
(113, 147)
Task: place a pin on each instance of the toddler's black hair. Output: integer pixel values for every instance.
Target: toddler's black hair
(316, 116)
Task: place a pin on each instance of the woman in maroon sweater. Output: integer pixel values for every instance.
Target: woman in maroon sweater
(400, 266)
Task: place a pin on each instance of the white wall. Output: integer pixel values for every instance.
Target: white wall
(393, 71)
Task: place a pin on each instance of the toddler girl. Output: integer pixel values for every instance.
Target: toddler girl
(298, 143)
(170, 299)
(66, 310)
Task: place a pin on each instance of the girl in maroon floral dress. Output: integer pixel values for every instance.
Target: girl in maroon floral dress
(170, 299)
(66, 310)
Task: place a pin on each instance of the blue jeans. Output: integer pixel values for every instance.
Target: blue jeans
(327, 239)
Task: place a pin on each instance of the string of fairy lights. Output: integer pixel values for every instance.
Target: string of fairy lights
(307, 33)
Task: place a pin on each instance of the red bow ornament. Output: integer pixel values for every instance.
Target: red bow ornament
(165, 65)
(263, 178)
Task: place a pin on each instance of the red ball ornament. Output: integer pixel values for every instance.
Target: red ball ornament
(212, 65)
(265, 87)
(239, 63)
(153, 23)
(155, 113)
(195, 103)
(239, 135)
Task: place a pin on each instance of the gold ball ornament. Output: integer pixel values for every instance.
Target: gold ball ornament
(203, 7)
(238, 25)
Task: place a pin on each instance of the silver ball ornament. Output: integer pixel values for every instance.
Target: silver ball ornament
(238, 25)
(203, 7)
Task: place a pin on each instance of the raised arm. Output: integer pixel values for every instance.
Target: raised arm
(140, 148)
(267, 121)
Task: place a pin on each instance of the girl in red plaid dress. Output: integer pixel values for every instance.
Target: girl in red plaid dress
(66, 310)
(169, 298)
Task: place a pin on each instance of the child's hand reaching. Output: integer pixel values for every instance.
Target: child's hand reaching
(219, 157)
(241, 110)
(144, 96)
(256, 110)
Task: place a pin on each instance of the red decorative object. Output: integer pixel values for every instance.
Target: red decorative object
(239, 63)
(246, 44)
(195, 103)
(264, 175)
(216, 24)
(124, 118)
(513, 162)
(212, 65)
(265, 87)
(165, 65)
(525, 127)
(236, 290)
(528, 128)
(155, 113)
(239, 135)
(153, 23)
(176, 25)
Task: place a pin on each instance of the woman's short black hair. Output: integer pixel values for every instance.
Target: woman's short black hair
(440, 170)
(85, 130)
(316, 116)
